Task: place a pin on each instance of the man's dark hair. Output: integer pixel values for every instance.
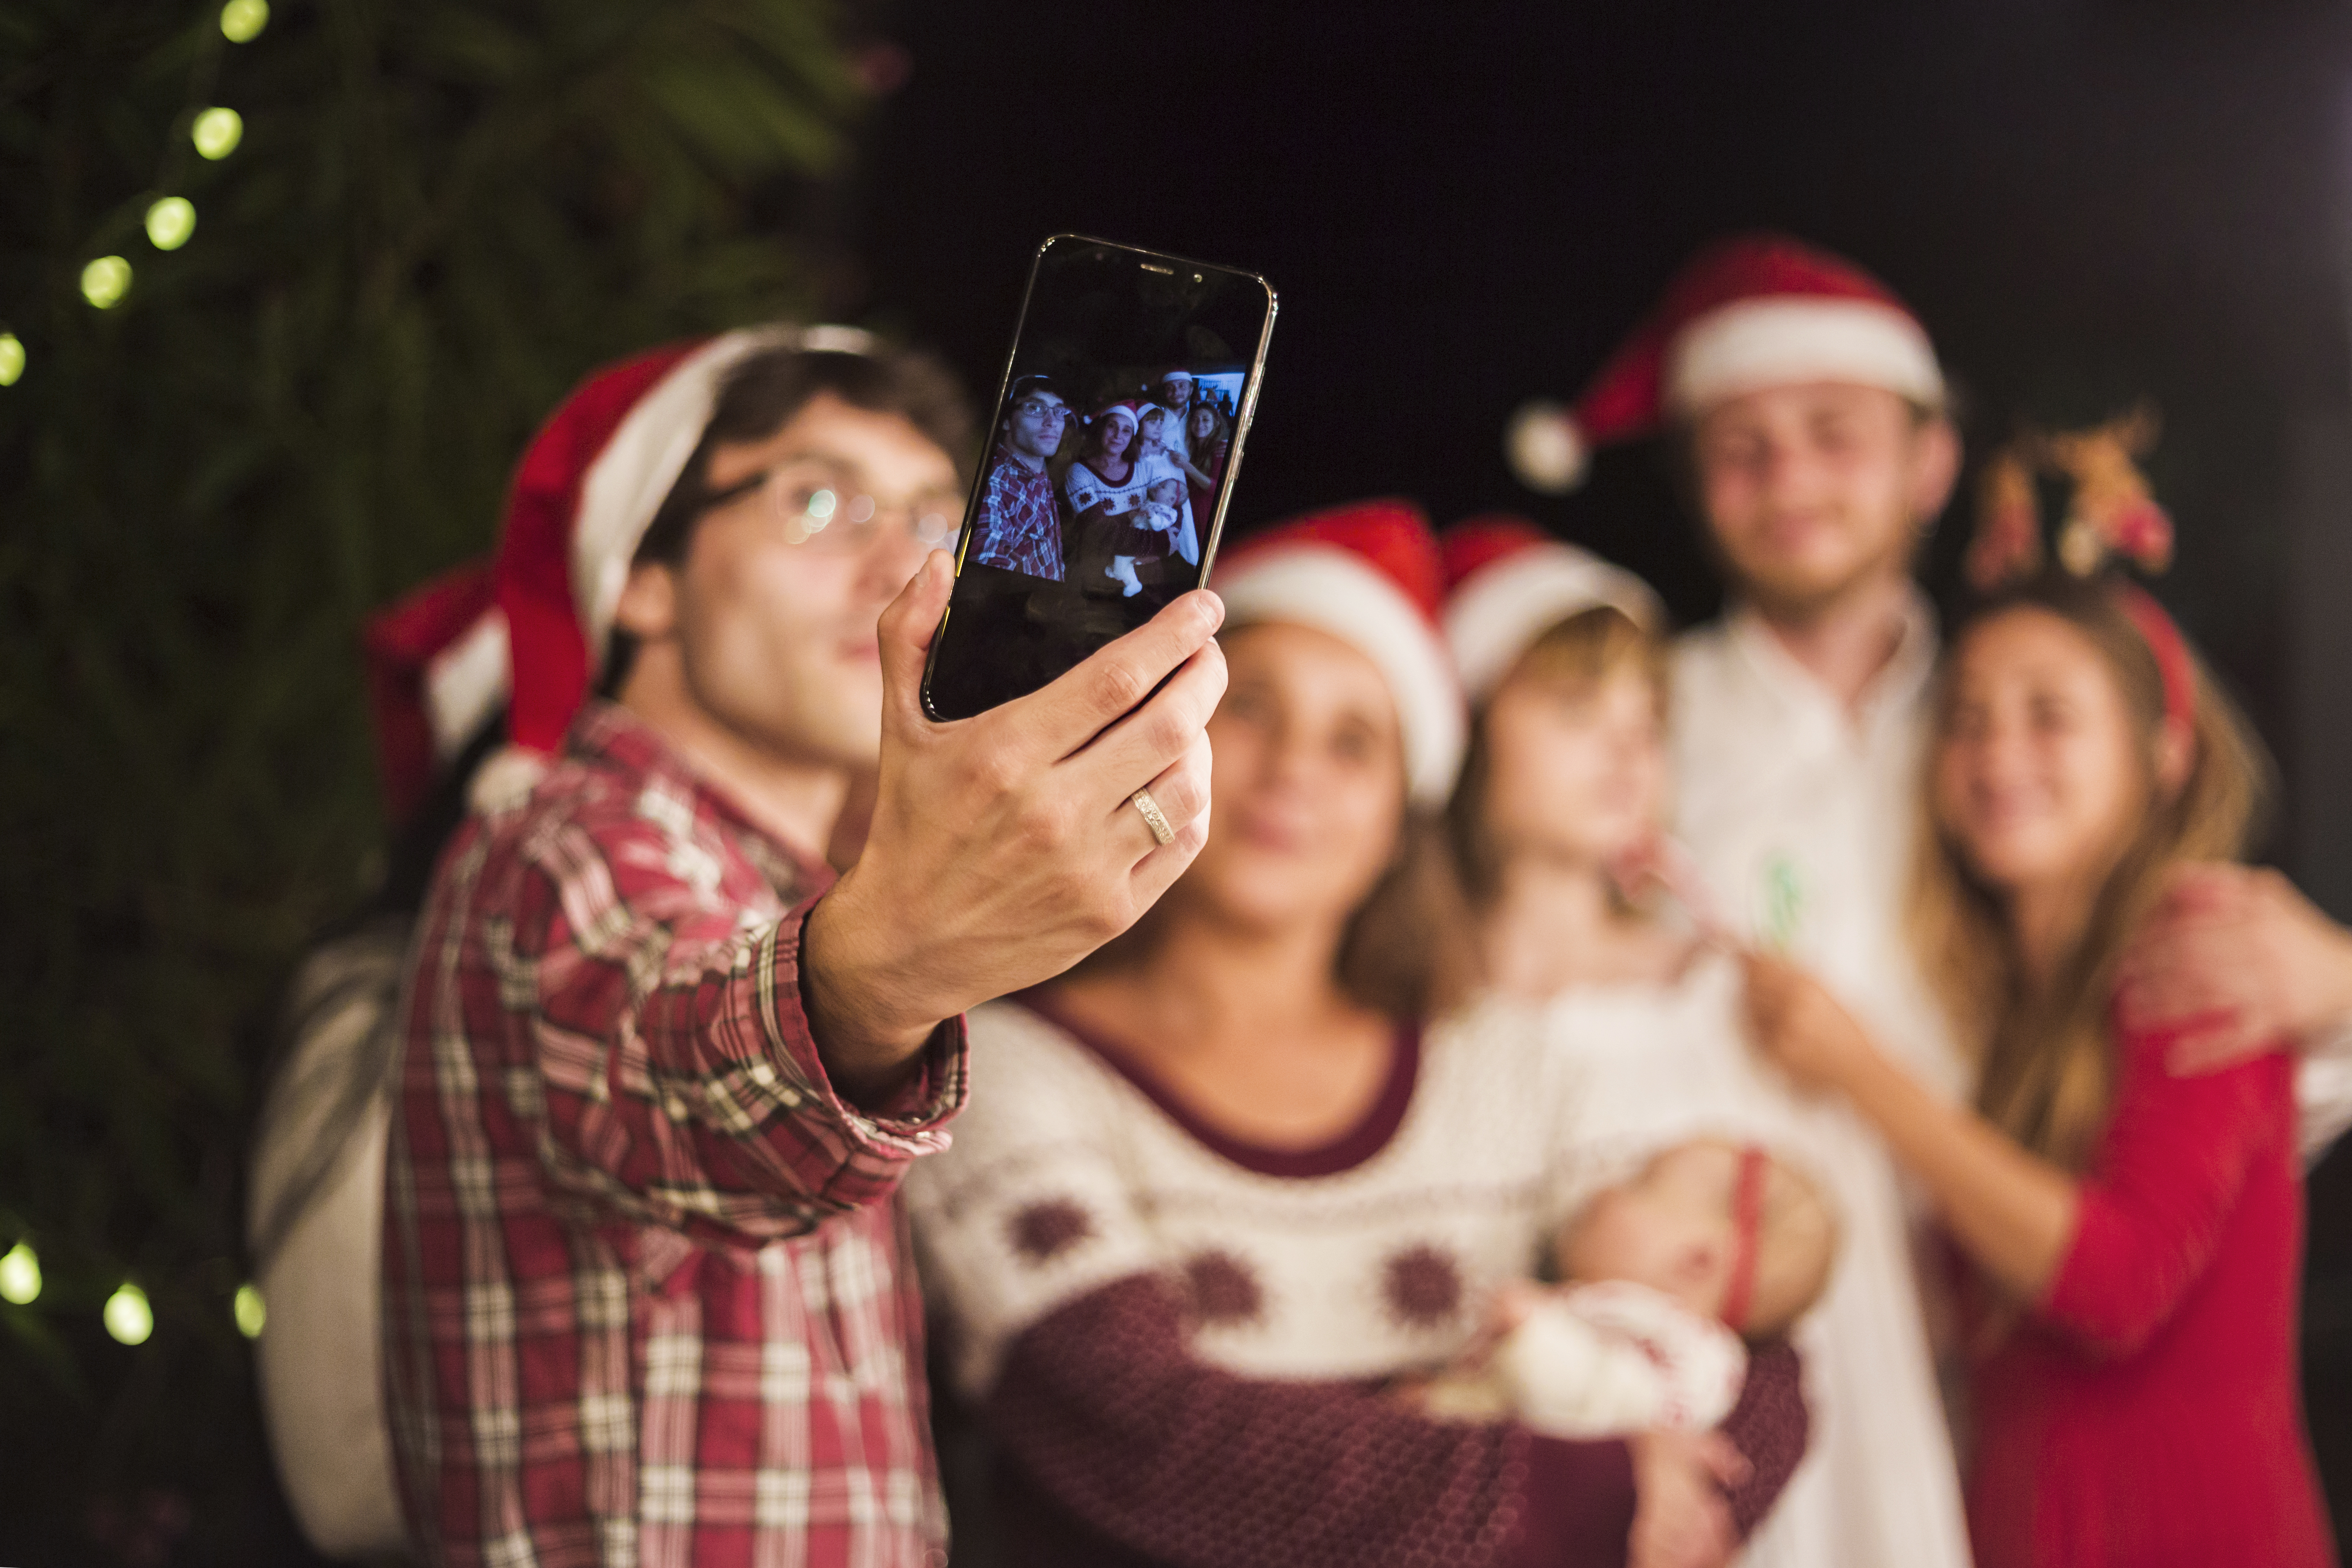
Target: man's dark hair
(762, 396)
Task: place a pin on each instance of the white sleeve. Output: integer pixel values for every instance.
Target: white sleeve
(1030, 1208)
(1606, 1359)
(1081, 485)
(2323, 1091)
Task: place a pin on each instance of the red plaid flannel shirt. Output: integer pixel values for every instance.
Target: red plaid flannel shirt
(647, 1297)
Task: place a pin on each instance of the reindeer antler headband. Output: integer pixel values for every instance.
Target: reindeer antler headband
(2112, 514)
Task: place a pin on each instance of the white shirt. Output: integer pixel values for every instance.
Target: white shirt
(1658, 1065)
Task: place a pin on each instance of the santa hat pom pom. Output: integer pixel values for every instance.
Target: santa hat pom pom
(1545, 449)
(505, 779)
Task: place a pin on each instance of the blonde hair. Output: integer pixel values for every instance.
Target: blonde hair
(1578, 653)
(2047, 1068)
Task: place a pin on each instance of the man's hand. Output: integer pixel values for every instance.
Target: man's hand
(1005, 848)
(2235, 958)
(1680, 1518)
(1795, 1023)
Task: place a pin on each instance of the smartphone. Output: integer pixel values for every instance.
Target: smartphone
(1116, 434)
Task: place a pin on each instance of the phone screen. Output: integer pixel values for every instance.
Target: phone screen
(1117, 435)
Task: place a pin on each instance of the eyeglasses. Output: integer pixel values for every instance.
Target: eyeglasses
(815, 510)
(1032, 408)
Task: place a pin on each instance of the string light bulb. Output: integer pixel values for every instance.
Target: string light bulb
(249, 1310)
(170, 222)
(11, 358)
(20, 1269)
(127, 1316)
(242, 20)
(217, 132)
(105, 280)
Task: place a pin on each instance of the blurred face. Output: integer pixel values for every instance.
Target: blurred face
(1204, 420)
(1577, 769)
(1811, 491)
(1035, 426)
(1670, 1228)
(2039, 775)
(1113, 436)
(1308, 781)
(776, 640)
(1176, 391)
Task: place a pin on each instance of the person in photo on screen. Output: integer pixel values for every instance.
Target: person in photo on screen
(1102, 486)
(1175, 390)
(1208, 438)
(1020, 516)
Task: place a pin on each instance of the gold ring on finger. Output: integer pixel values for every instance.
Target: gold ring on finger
(1153, 818)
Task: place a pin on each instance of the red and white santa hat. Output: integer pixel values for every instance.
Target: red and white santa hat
(1746, 313)
(1507, 582)
(1367, 574)
(531, 626)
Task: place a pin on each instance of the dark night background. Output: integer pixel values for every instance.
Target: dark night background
(1463, 206)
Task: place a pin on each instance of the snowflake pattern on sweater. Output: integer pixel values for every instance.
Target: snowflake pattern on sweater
(1076, 1172)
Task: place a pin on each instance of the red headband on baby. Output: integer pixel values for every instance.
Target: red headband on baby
(1747, 1220)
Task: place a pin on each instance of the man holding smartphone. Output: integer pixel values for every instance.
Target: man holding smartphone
(645, 1287)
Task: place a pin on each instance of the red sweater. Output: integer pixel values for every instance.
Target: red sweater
(2147, 1413)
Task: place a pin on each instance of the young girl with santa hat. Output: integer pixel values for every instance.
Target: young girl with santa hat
(1557, 826)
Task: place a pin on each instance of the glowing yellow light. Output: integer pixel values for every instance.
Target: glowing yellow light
(12, 365)
(217, 132)
(250, 1313)
(128, 1316)
(170, 222)
(106, 280)
(20, 1270)
(242, 20)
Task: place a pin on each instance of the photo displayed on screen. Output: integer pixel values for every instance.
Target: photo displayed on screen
(1104, 478)
(1110, 461)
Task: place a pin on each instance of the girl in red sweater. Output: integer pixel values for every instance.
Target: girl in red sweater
(2134, 1238)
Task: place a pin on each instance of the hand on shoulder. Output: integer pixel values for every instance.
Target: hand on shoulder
(2231, 960)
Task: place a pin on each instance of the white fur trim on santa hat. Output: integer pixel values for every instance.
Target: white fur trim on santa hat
(1545, 448)
(464, 682)
(1783, 340)
(630, 478)
(1335, 590)
(505, 779)
(1500, 610)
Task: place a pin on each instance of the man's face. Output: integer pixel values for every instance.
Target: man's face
(1176, 391)
(1811, 491)
(1037, 424)
(776, 640)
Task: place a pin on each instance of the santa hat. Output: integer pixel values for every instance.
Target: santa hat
(1367, 574)
(1507, 582)
(1747, 313)
(532, 625)
(1130, 412)
(436, 669)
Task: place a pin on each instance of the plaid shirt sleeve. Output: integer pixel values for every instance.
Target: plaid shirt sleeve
(661, 1009)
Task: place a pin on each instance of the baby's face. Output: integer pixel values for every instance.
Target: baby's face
(1670, 1228)
(1168, 492)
